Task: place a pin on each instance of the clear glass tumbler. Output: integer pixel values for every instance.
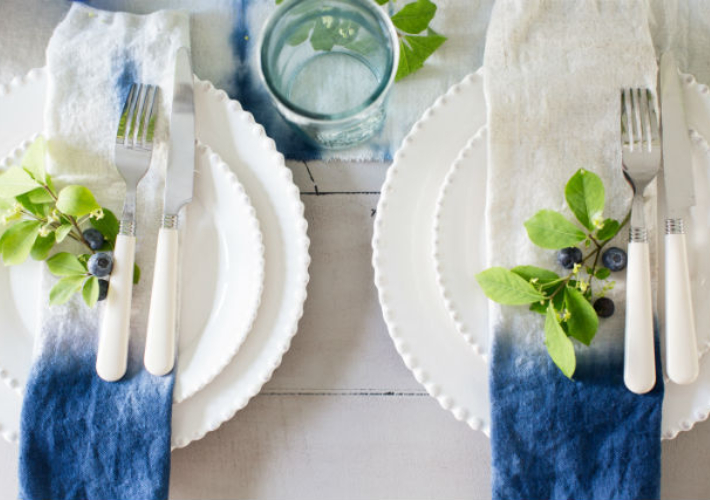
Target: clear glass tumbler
(329, 66)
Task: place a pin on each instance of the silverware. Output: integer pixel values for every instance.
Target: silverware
(641, 160)
(134, 148)
(681, 342)
(160, 342)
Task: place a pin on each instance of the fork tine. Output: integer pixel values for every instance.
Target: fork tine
(636, 105)
(627, 128)
(644, 97)
(138, 116)
(130, 126)
(124, 123)
(148, 126)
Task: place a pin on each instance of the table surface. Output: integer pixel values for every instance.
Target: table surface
(343, 417)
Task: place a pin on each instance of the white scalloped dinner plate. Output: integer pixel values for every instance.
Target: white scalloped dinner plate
(234, 146)
(222, 278)
(418, 321)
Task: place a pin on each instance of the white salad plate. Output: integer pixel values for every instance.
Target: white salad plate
(233, 146)
(410, 288)
(222, 278)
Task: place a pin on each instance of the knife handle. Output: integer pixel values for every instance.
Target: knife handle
(639, 355)
(112, 355)
(681, 342)
(160, 342)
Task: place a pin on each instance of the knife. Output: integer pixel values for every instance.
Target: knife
(159, 356)
(681, 342)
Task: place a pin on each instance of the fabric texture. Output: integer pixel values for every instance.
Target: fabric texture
(554, 70)
(81, 437)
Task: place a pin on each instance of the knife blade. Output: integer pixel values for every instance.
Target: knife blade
(677, 160)
(159, 357)
(181, 159)
(681, 340)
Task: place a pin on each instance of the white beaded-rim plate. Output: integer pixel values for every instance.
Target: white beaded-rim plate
(222, 278)
(418, 321)
(230, 134)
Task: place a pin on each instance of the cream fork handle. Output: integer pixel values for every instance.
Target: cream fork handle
(112, 355)
(639, 350)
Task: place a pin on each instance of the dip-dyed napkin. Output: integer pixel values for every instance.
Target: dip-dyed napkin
(553, 74)
(81, 437)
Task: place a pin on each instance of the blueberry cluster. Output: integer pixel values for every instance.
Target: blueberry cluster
(99, 264)
(614, 259)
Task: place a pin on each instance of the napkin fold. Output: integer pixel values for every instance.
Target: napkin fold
(82, 437)
(553, 74)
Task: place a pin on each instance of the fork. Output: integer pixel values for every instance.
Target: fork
(641, 160)
(134, 147)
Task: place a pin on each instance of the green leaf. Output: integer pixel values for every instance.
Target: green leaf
(43, 245)
(16, 181)
(558, 344)
(609, 230)
(549, 229)
(380, 2)
(90, 292)
(539, 307)
(40, 196)
(324, 33)
(506, 287)
(414, 50)
(602, 273)
(66, 264)
(585, 196)
(415, 17)
(583, 321)
(136, 274)
(18, 240)
(529, 273)
(33, 161)
(64, 289)
(77, 201)
(38, 209)
(300, 35)
(108, 225)
(63, 231)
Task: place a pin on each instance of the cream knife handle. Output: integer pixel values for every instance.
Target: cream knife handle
(681, 342)
(160, 341)
(639, 357)
(112, 355)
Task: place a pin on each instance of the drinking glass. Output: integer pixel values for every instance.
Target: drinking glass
(329, 66)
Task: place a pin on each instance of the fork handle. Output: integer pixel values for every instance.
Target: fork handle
(639, 349)
(681, 342)
(162, 319)
(112, 355)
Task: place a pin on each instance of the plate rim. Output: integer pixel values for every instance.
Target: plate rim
(300, 249)
(447, 401)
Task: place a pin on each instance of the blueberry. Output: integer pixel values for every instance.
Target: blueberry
(614, 258)
(94, 238)
(568, 257)
(604, 307)
(100, 264)
(103, 289)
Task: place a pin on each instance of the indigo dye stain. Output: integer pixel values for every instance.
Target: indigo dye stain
(586, 439)
(249, 90)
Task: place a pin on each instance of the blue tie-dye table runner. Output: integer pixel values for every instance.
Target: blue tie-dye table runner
(225, 36)
(554, 70)
(83, 438)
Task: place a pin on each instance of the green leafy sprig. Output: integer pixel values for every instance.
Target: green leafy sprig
(417, 40)
(565, 301)
(35, 217)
